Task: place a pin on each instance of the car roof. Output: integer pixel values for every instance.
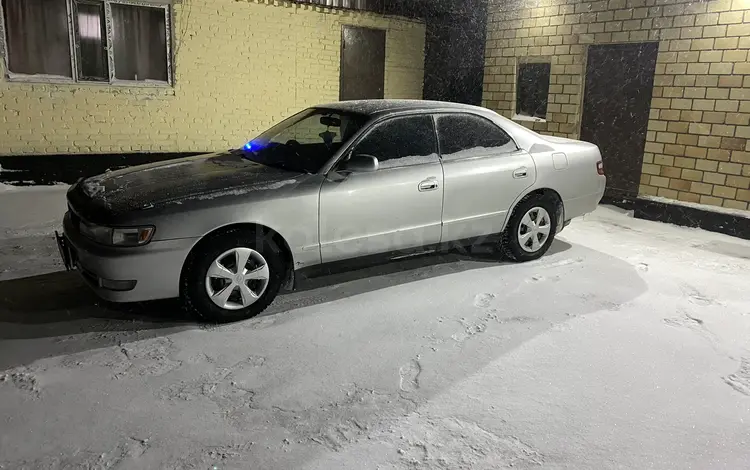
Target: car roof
(382, 107)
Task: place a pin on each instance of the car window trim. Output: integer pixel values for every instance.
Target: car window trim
(436, 116)
(367, 129)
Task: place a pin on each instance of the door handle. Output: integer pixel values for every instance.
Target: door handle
(430, 184)
(521, 173)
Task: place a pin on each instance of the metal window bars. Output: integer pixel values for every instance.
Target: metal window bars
(376, 6)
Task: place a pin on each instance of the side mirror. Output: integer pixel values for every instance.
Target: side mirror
(360, 164)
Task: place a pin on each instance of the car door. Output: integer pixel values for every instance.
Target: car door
(396, 207)
(484, 173)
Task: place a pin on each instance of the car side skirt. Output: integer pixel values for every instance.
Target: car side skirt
(484, 245)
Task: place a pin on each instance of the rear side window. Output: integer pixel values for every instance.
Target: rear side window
(401, 141)
(465, 136)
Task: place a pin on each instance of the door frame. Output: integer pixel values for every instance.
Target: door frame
(341, 54)
(582, 101)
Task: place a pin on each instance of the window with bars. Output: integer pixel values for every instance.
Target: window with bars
(366, 5)
(110, 41)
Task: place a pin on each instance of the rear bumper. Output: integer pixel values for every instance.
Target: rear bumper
(579, 206)
(127, 274)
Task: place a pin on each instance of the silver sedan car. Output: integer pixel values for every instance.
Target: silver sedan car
(358, 181)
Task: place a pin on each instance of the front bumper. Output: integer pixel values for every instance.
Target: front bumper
(120, 274)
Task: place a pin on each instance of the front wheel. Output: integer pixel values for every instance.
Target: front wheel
(232, 277)
(531, 229)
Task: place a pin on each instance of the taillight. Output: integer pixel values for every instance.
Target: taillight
(600, 167)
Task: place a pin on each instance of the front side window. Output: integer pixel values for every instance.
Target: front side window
(113, 40)
(466, 136)
(400, 142)
(306, 141)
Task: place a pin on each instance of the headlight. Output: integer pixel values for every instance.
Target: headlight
(99, 234)
(134, 236)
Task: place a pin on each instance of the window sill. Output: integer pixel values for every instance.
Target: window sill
(60, 80)
(522, 117)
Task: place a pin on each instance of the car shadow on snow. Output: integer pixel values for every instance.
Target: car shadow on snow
(60, 308)
(60, 297)
(340, 285)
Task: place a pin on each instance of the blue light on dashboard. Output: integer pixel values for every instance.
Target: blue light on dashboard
(254, 146)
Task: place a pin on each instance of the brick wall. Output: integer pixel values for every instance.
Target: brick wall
(697, 144)
(240, 66)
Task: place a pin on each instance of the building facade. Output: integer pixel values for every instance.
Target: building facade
(179, 76)
(663, 86)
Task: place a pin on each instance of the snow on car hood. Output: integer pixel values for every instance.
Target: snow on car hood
(202, 177)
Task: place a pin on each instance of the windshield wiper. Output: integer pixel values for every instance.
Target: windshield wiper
(245, 154)
(288, 168)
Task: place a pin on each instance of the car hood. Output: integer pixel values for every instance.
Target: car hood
(203, 177)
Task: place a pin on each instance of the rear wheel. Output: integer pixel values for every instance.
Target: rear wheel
(531, 229)
(232, 276)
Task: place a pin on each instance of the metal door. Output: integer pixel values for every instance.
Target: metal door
(484, 174)
(394, 208)
(362, 63)
(616, 106)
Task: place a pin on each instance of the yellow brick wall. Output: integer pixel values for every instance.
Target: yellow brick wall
(697, 144)
(240, 66)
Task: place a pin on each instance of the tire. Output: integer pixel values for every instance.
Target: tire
(196, 284)
(512, 243)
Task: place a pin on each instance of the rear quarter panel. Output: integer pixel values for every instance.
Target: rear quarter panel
(564, 165)
(569, 168)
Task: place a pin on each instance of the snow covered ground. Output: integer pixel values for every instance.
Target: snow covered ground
(628, 346)
(30, 210)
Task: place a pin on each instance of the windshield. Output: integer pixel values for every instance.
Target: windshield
(305, 141)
